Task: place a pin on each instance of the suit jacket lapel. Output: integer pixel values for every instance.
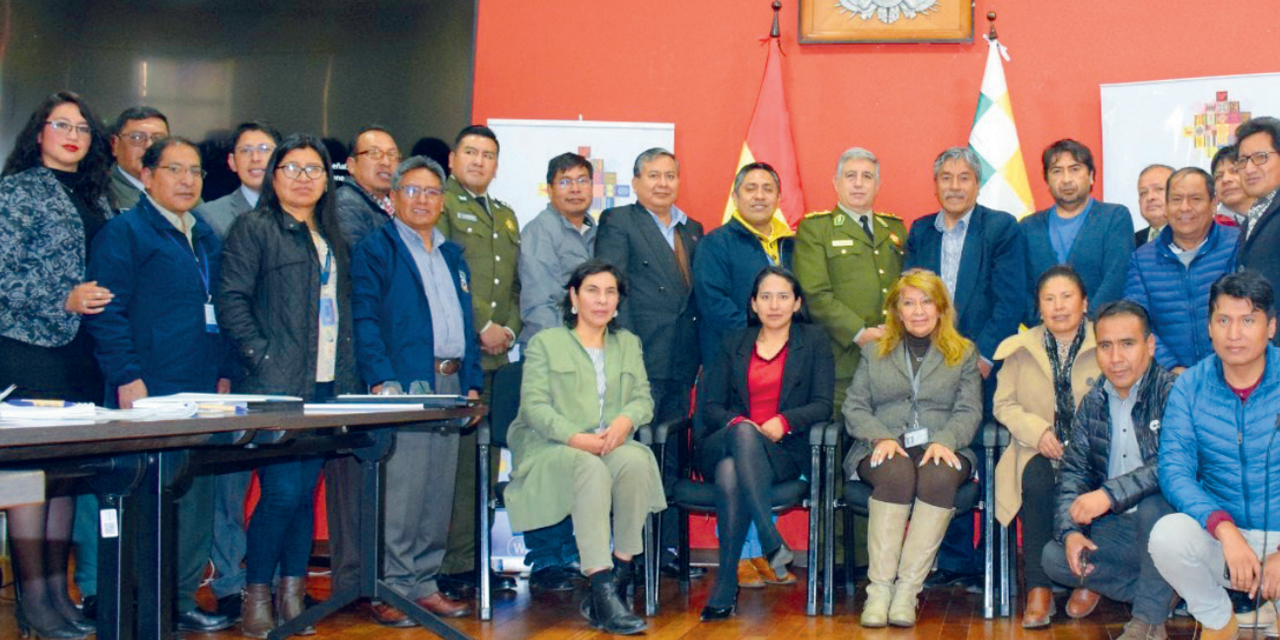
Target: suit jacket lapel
(970, 261)
(402, 254)
(932, 360)
(742, 364)
(660, 252)
(791, 372)
(1093, 227)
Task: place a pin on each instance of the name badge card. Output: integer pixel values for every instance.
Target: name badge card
(210, 319)
(915, 438)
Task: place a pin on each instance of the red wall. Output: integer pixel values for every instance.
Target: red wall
(698, 63)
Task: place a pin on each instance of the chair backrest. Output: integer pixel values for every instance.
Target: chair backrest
(504, 400)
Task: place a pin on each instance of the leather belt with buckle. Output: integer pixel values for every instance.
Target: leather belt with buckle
(448, 366)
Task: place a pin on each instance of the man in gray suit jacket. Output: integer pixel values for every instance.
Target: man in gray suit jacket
(254, 142)
(135, 130)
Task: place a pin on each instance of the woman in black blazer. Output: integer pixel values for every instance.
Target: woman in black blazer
(773, 380)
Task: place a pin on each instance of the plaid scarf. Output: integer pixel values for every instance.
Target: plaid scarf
(1064, 402)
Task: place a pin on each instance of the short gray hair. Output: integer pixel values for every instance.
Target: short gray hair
(857, 153)
(649, 155)
(417, 162)
(965, 154)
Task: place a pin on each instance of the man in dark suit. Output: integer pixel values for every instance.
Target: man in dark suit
(1095, 238)
(1151, 196)
(654, 242)
(1259, 168)
(251, 149)
(980, 255)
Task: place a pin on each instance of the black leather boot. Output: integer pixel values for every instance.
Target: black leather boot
(607, 610)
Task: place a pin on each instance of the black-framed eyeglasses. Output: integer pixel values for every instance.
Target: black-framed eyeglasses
(65, 128)
(376, 154)
(176, 170)
(264, 149)
(412, 192)
(293, 171)
(142, 138)
(581, 181)
(1258, 159)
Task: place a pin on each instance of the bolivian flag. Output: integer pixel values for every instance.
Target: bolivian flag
(995, 139)
(769, 140)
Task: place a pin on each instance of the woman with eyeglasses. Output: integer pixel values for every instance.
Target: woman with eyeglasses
(52, 203)
(285, 304)
(913, 407)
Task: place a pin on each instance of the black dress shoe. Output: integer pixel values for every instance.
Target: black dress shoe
(201, 621)
(89, 607)
(552, 579)
(455, 588)
(502, 582)
(947, 578)
(671, 568)
(229, 606)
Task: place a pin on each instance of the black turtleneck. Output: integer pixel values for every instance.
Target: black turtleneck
(917, 347)
(90, 215)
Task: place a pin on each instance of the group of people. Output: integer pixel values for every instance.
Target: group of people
(117, 282)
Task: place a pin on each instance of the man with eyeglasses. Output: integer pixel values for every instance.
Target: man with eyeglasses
(552, 245)
(159, 335)
(486, 229)
(253, 143)
(412, 306)
(136, 129)
(364, 198)
(1259, 167)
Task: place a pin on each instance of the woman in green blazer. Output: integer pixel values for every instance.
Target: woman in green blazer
(583, 393)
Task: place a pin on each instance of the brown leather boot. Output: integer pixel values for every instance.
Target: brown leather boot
(1229, 632)
(256, 617)
(1040, 608)
(290, 600)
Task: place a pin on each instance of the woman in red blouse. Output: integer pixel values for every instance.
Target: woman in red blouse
(773, 380)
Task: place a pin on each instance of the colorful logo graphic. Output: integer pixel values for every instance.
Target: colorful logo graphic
(1215, 124)
(605, 188)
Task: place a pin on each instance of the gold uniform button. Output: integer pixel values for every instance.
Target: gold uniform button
(876, 252)
(497, 258)
(493, 304)
(496, 281)
(844, 251)
(881, 272)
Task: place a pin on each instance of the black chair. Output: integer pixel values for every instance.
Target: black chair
(694, 496)
(855, 495)
(504, 404)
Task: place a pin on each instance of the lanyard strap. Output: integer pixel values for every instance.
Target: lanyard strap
(202, 268)
(328, 264)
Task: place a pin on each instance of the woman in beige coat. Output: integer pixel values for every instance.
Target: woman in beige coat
(583, 393)
(913, 407)
(1047, 370)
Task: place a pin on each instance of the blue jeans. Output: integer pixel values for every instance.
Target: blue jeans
(280, 529)
(281, 526)
(552, 546)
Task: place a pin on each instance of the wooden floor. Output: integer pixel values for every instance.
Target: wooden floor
(774, 612)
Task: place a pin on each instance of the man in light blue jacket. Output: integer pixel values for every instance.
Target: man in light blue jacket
(1215, 462)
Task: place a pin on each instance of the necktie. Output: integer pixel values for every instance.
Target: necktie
(682, 260)
(866, 226)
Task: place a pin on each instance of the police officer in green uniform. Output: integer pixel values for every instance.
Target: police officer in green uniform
(490, 238)
(846, 259)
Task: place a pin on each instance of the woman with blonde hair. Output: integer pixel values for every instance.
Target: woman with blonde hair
(914, 406)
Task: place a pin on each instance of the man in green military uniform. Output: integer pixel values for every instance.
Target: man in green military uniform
(846, 259)
(490, 238)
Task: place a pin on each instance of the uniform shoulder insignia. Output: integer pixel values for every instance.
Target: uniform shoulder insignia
(814, 214)
(882, 214)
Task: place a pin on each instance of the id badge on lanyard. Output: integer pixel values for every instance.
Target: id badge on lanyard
(328, 310)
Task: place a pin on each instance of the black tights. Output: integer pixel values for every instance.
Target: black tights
(898, 480)
(41, 539)
(1039, 488)
(743, 482)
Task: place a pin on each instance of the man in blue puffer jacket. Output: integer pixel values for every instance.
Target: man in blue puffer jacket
(1172, 275)
(1215, 461)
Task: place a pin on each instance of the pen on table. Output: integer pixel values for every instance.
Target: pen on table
(5, 394)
